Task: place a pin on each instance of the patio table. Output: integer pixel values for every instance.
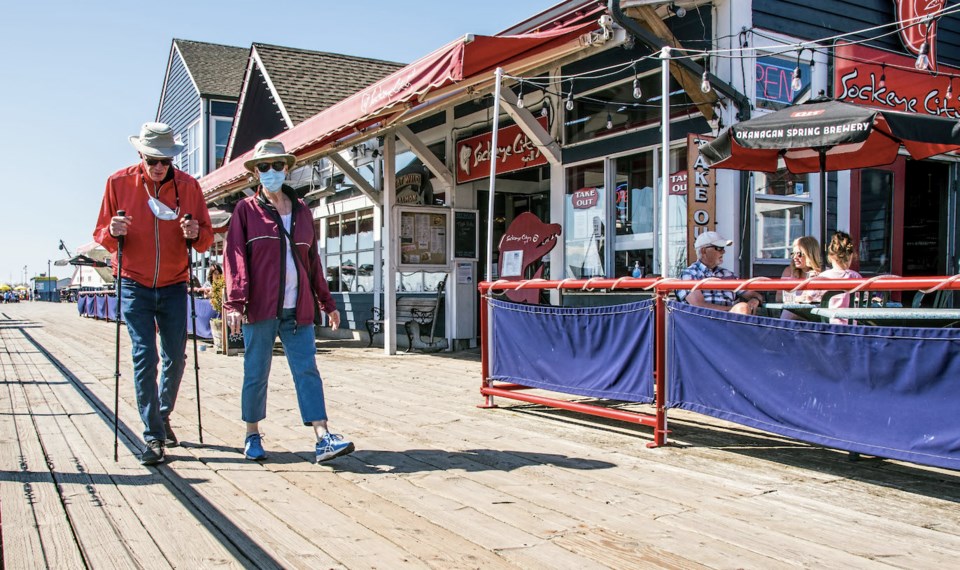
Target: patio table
(893, 317)
(802, 310)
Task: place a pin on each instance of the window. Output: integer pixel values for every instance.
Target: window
(584, 227)
(189, 159)
(633, 201)
(349, 249)
(774, 78)
(589, 118)
(782, 203)
(221, 135)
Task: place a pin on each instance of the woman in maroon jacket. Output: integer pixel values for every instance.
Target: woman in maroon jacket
(274, 284)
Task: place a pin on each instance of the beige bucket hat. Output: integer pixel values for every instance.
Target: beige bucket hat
(156, 140)
(267, 150)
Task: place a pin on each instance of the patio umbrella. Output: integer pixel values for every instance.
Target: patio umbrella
(83, 260)
(825, 135)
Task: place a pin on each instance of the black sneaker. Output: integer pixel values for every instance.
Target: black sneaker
(152, 453)
(170, 438)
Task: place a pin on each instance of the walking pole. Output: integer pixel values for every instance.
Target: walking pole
(116, 374)
(193, 317)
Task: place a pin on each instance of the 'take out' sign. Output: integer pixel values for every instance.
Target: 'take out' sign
(701, 193)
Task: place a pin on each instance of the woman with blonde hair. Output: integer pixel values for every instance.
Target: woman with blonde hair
(804, 263)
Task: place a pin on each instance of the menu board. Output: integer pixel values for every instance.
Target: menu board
(465, 238)
(423, 237)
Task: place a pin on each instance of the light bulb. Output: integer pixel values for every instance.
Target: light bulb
(609, 121)
(705, 83)
(796, 84)
(883, 80)
(543, 111)
(520, 102)
(949, 94)
(923, 62)
(569, 103)
(637, 92)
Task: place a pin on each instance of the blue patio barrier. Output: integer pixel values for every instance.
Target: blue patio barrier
(601, 352)
(884, 391)
(104, 306)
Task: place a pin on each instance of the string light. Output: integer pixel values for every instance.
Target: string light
(569, 103)
(949, 94)
(923, 59)
(609, 121)
(520, 97)
(705, 86)
(637, 92)
(797, 83)
(883, 76)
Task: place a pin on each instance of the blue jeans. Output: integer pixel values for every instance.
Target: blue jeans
(299, 344)
(146, 311)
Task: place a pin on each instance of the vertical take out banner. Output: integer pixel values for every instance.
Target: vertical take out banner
(701, 193)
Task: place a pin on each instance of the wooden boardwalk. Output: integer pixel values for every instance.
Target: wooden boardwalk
(435, 482)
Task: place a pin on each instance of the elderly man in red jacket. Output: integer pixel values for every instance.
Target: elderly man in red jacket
(156, 198)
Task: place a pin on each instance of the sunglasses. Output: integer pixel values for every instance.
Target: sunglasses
(798, 254)
(718, 248)
(156, 161)
(277, 165)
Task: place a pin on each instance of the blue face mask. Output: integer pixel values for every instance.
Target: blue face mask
(272, 180)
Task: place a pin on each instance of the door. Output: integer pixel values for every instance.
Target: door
(876, 218)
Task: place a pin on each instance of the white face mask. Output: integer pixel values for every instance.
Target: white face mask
(272, 180)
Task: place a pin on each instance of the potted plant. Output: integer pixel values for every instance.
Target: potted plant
(216, 324)
(234, 342)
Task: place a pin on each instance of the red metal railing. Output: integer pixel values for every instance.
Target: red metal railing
(661, 289)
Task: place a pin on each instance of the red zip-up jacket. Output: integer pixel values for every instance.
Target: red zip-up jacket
(154, 250)
(254, 261)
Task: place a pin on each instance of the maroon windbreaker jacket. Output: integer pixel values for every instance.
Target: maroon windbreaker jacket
(254, 261)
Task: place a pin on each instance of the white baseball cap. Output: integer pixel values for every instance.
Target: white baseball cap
(711, 238)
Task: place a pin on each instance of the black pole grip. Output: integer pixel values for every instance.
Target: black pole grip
(121, 213)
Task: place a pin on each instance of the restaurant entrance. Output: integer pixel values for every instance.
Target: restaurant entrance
(899, 218)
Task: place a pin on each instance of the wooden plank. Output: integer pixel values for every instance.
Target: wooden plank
(189, 542)
(330, 531)
(44, 510)
(431, 470)
(100, 518)
(19, 533)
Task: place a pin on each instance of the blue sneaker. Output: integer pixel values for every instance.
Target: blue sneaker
(332, 445)
(253, 447)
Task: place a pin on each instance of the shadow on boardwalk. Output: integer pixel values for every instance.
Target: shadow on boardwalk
(691, 432)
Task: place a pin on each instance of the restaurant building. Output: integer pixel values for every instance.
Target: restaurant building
(398, 172)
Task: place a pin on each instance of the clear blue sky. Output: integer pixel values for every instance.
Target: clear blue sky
(80, 77)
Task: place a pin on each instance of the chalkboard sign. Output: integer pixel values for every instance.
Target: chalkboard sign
(465, 239)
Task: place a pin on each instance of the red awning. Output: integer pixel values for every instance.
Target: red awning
(386, 100)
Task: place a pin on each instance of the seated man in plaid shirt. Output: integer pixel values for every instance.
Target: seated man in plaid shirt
(710, 248)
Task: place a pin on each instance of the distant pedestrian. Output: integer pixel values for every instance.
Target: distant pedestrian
(155, 197)
(275, 284)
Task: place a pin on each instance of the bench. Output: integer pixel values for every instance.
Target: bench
(416, 315)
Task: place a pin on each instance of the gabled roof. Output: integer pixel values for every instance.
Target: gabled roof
(282, 87)
(307, 82)
(217, 70)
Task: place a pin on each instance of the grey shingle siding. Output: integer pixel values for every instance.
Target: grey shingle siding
(217, 69)
(308, 82)
(816, 19)
(181, 102)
